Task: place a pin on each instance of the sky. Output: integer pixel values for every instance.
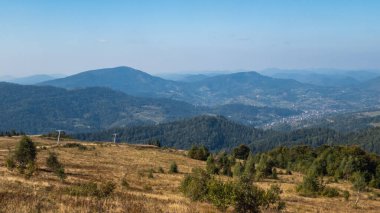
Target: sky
(177, 36)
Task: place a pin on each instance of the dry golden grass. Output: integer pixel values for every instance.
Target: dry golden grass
(108, 162)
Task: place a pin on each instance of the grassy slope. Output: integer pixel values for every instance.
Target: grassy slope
(109, 162)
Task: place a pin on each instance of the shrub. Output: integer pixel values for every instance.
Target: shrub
(53, 164)
(238, 170)
(10, 163)
(330, 192)
(211, 166)
(220, 194)
(161, 170)
(147, 188)
(247, 197)
(199, 153)
(173, 168)
(346, 195)
(124, 183)
(241, 152)
(154, 142)
(358, 182)
(274, 173)
(310, 186)
(194, 185)
(106, 189)
(264, 167)
(243, 195)
(272, 196)
(75, 145)
(224, 164)
(249, 167)
(92, 189)
(30, 169)
(25, 156)
(150, 173)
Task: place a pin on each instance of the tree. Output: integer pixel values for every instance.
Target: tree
(241, 152)
(25, 155)
(247, 197)
(53, 164)
(264, 167)
(224, 163)
(310, 185)
(194, 185)
(211, 166)
(249, 167)
(237, 169)
(198, 153)
(220, 194)
(359, 184)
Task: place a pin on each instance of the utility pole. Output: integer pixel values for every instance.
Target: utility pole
(59, 136)
(114, 138)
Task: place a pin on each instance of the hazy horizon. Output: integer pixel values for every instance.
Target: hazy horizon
(45, 37)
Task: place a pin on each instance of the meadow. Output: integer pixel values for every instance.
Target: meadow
(142, 181)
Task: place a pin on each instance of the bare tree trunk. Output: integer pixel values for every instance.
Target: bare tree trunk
(357, 199)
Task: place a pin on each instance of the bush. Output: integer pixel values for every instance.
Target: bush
(330, 192)
(264, 167)
(346, 195)
(25, 156)
(272, 196)
(53, 164)
(147, 188)
(224, 164)
(249, 167)
(358, 182)
(199, 153)
(243, 195)
(310, 186)
(237, 170)
(241, 152)
(10, 163)
(173, 168)
(220, 194)
(211, 166)
(106, 189)
(75, 145)
(161, 170)
(92, 189)
(150, 173)
(30, 169)
(124, 183)
(194, 185)
(247, 197)
(154, 142)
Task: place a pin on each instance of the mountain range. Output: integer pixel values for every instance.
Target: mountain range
(248, 88)
(39, 109)
(29, 80)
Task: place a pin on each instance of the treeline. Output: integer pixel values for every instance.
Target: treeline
(214, 132)
(218, 133)
(338, 162)
(11, 133)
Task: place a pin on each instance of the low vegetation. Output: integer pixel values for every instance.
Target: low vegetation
(134, 178)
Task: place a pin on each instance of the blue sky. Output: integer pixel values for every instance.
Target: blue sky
(180, 36)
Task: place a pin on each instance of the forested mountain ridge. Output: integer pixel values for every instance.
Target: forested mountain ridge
(217, 133)
(128, 80)
(36, 109)
(249, 88)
